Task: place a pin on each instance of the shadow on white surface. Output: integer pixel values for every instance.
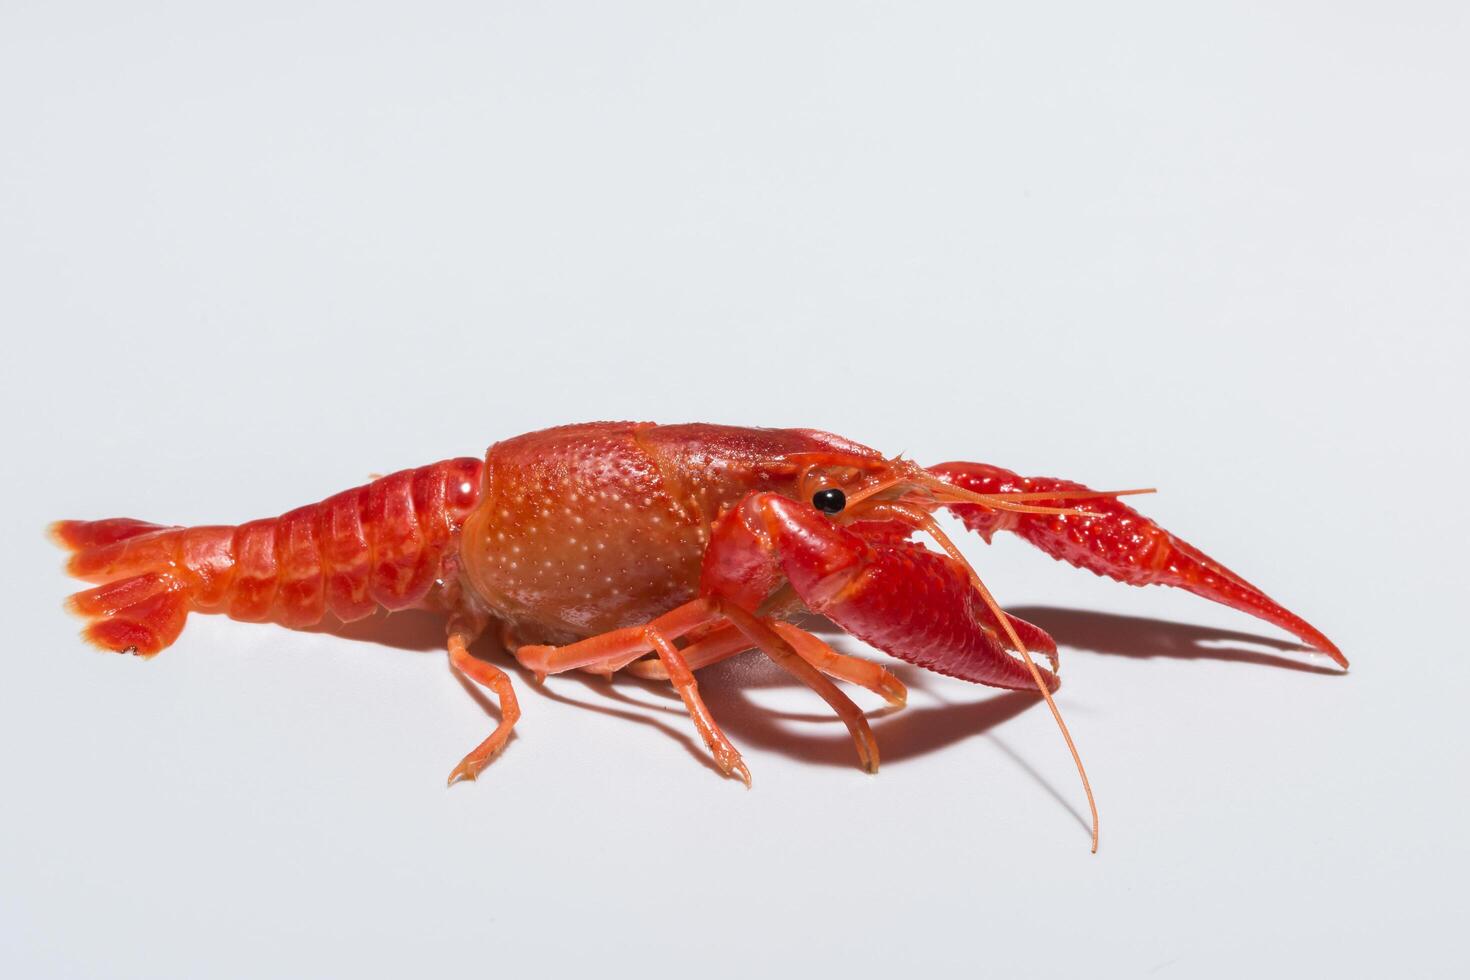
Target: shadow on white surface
(1139, 636)
(914, 731)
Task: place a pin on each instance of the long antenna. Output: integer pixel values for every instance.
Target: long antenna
(1005, 622)
(1007, 500)
(933, 530)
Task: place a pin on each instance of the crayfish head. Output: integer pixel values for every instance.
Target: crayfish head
(874, 587)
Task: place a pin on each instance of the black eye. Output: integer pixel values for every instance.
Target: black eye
(829, 501)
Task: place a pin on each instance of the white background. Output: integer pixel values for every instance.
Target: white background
(249, 257)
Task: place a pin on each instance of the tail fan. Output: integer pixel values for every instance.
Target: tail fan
(141, 604)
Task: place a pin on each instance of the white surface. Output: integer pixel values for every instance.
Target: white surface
(250, 258)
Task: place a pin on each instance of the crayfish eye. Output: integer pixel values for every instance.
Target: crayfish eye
(829, 501)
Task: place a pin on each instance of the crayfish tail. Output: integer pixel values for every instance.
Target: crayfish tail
(84, 535)
(141, 604)
(139, 615)
(382, 545)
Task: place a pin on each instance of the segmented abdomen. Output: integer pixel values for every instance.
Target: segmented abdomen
(377, 545)
(382, 544)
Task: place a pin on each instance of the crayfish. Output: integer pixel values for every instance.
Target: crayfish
(656, 549)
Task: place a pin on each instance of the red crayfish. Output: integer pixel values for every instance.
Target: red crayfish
(658, 549)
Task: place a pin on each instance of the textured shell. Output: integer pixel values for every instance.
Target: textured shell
(587, 528)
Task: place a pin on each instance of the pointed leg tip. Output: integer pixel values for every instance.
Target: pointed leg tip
(736, 769)
(462, 774)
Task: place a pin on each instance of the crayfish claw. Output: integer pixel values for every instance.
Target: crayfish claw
(1111, 538)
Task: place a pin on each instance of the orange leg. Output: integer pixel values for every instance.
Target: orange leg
(780, 650)
(728, 641)
(594, 653)
(611, 650)
(722, 644)
(726, 756)
(494, 679)
(616, 648)
(815, 651)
